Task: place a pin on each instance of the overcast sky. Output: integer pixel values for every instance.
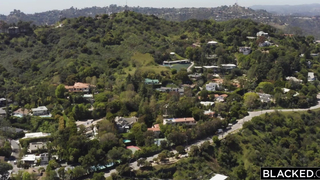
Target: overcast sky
(31, 6)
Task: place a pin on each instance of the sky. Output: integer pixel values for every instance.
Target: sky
(32, 6)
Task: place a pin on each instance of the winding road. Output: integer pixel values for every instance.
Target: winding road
(234, 128)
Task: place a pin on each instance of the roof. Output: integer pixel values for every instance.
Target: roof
(36, 145)
(2, 99)
(211, 67)
(207, 103)
(36, 135)
(189, 119)
(154, 128)
(2, 111)
(21, 111)
(228, 65)
(29, 157)
(147, 80)
(78, 85)
(125, 121)
(212, 42)
(222, 95)
(88, 96)
(40, 108)
(209, 112)
(219, 177)
(12, 129)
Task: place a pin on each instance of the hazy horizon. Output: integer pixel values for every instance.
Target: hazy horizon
(34, 6)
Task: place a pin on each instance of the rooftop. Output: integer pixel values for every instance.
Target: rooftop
(40, 108)
(154, 128)
(219, 177)
(36, 135)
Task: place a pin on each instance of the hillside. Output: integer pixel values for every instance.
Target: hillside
(112, 71)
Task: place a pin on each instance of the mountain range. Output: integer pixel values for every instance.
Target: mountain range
(287, 23)
(302, 10)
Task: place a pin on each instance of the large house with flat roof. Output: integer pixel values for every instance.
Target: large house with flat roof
(41, 110)
(177, 121)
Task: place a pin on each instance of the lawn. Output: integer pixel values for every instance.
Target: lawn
(178, 67)
(144, 62)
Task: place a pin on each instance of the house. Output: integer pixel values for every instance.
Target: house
(13, 30)
(170, 89)
(41, 110)
(155, 129)
(21, 112)
(2, 112)
(151, 81)
(35, 146)
(261, 33)
(90, 127)
(36, 135)
(251, 37)
(220, 98)
(219, 177)
(311, 76)
(195, 76)
(207, 103)
(245, 50)
(88, 97)
(285, 90)
(265, 44)
(78, 87)
(170, 63)
(294, 79)
(213, 43)
(209, 113)
(125, 124)
(212, 86)
(180, 121)
(228, 66)
(314, 54)
(188, 86)
(265, 98)
(32, 159)
(214, 68)
(172, 53)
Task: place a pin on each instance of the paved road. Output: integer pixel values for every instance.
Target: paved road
(234, 128)
(189, 68)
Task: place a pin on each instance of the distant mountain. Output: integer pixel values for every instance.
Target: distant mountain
(302, 10)
(287, 23)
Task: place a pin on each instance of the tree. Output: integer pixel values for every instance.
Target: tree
(98, 176)
(4, 168)
(62, 173)
(251, 100)
(180, 150)
(60, 90)
(124, 169)
(194, 151)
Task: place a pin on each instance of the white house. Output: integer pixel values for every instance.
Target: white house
(228, 66)
(32, 158)
(212, 42)
(212, 86)
(219, 177)
(261, 33)
(311, 76)
(207, 103)
(36, 135)
(294, 79)
(42, 110)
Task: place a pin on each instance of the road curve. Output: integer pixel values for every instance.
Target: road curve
(189, 68)
(234, 128)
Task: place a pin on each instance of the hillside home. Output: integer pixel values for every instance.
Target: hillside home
(78, 87)
(2, 102)
(155, 129)
(212, 86)
(32, 159)
(35, 146)
(170, 89)
(219, 177)
(265, 44)
(2, 113)
(170, 63)
(195, 76)
(294, 79)
(13, 30)
(207, 103)
(220, 98)
(228, 66)
(180, 121)
(36, 135)
(125, 124)
(21, 112)
(209, 113)
(265, 98)
(41, 110)
(311, 76)
(213, 43)
(90, 127)
(151, 81)
(245, 50)
(261, 33)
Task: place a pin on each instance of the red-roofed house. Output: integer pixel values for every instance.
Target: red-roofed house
(78, 87)
(174, 121)
(220, 98)
(155, 129)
